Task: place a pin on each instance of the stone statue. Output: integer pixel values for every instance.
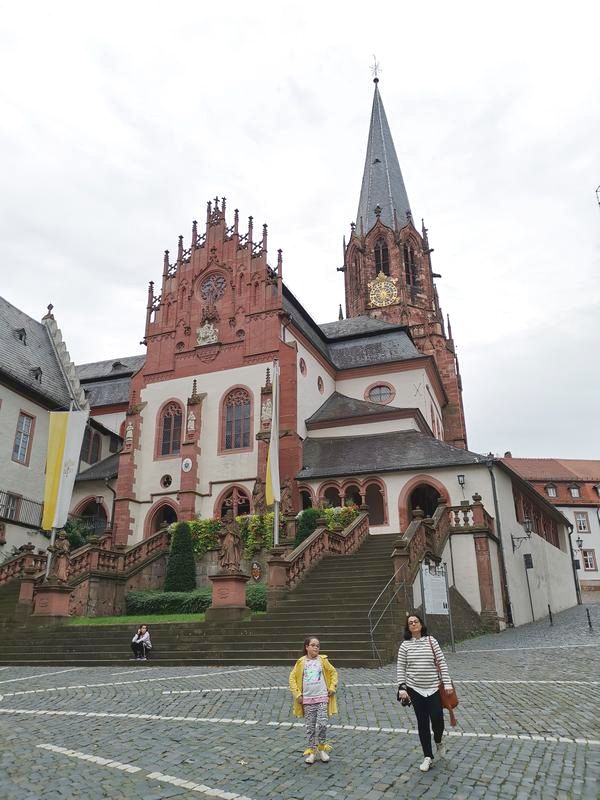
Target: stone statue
(287, 504)
(231, 544)
(259, 500)
(191, 422)
(59, 565)
(128, 434)
(207, 334)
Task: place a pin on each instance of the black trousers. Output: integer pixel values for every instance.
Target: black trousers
(428, 709)
(139, 649)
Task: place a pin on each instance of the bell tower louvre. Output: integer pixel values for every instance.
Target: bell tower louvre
(387, 266)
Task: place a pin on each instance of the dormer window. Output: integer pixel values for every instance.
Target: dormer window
(118, 365)
(21, 335)
(550, 490)
(36, 374)
(574, 490)
(382, 257)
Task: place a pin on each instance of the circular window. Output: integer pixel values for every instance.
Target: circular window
(166, 481)
(381, 393)
(302, 366)
(320, 384)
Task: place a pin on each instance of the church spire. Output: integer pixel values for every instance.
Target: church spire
(382, 183)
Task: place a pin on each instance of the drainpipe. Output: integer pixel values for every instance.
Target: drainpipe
(509, 616)
(575, 578)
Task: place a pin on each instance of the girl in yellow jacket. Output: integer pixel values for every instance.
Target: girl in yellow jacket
(313, 682)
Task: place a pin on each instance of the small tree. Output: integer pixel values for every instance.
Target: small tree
(307, 524)
(181, 567)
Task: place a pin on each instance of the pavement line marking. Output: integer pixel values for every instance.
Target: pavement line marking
(41, 675)
(155, 776)
(103, 762)
(131, 670)
(126, 683)
(541, 647)
(284, 724)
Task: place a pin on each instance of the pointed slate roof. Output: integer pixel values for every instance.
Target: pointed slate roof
(382, 183)
(339, 406)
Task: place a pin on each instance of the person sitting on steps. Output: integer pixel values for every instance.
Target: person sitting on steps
(141, 644)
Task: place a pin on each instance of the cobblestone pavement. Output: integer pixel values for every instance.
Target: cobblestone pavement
(529, 727)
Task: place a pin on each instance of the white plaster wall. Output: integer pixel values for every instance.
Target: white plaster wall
(111, 421)
(591, 540)
(411, 389)
(27, 481)
(17, 535)
(550, 580)
(366, 429)
(309, 398)
(215, 468)
(464, 568)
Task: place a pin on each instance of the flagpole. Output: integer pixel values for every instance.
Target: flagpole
(49, 551)
(275, 523)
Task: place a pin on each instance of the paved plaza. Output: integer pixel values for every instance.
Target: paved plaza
(528, 727)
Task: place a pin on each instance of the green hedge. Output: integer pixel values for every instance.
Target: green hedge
(256, 531)
(307, 524)
(196, 602)
(181, 565)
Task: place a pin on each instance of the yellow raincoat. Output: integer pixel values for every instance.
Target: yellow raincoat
(331, 681)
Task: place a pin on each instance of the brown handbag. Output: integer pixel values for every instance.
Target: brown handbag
(449, 698)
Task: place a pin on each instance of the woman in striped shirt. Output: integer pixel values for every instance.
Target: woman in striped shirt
(418, 683)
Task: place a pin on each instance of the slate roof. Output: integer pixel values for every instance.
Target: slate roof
(19, 360)
(383, 452)
(107, 468)
(357, 342)
(339, 406)
(557, 469)
(107, 393)
(382, 183)
(97, 370)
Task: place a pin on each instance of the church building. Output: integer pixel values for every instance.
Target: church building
(371, 404)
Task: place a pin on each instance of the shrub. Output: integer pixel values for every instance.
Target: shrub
(205, 535)
(307, 524)
(256, 596)
(340, 515)
(181, 567)
(77, 533)
(157, 602)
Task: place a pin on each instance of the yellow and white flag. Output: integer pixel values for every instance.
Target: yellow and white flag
(273, 489)
(65, 437)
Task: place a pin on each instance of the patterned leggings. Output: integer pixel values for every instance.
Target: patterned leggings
(315, 719)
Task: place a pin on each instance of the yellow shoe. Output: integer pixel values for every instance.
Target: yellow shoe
(323, 751)
(310, 756)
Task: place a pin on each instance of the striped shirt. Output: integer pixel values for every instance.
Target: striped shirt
(416, 668)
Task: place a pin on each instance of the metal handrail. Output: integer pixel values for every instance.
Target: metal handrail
(372, 627)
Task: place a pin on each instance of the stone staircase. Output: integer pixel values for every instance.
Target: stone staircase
(331, 603)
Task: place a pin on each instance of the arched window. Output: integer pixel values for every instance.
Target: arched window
(332, 497)
(163, 517)
(170, 429)
(352, 495)
(410, 265)
(237, 501)
(91, 449)
(382, 257)
(236, 419)
(424, 497)
(93, 517)
(305, 499)
(374, 499)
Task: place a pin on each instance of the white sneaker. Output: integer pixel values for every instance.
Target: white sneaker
(324, 755)
(310, 759)
(426, 764)
(440, 748)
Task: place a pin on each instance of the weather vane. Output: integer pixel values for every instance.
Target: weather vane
(375, 69)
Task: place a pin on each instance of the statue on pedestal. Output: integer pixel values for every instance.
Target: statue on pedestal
(259, 500)
(231, 544)
(59, 565)
(287, 504)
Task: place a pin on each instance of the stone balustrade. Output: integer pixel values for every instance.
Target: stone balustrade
(287, 569)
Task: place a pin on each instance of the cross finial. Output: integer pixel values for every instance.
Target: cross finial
(375, 69)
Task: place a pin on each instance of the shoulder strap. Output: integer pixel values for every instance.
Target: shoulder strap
(435, 661)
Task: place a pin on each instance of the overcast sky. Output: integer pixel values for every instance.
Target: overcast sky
(117, 126)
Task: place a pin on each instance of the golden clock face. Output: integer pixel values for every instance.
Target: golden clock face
(383, 291)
